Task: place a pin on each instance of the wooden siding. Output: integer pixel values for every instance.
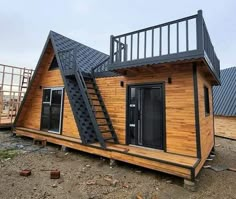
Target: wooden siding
(180, 115)
(206, 121)
(31, 113)
(225, 126)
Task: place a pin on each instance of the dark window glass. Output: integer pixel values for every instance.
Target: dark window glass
(44, 124)
(46, 110)
(54, 64)
(206, 100)
(55, 117)
(46, 95)
(45, 116)
(56, 97)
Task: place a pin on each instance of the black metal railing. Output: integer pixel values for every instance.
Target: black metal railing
(101, 67)
(186, 37)
(210, 52)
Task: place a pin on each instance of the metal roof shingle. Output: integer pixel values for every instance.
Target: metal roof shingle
(224, 96)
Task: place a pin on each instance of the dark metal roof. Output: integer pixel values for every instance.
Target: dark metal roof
(86, 57)
(224, 96)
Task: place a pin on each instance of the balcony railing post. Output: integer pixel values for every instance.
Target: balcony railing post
(200, 33)
(111, 49)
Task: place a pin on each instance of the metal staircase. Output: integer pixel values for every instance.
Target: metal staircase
(95, 106)
(89, 110)
(99, 111)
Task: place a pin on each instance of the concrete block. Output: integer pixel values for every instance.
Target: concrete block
(190, 185)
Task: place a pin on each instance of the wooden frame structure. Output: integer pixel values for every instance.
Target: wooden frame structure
(13, 84)
(98, 113)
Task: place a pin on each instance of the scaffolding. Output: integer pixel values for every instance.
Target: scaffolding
(14, 82)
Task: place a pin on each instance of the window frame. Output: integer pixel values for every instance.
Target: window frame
(49, 103)
(206, 96)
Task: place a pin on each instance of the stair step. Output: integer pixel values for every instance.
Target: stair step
(106, 131)
(111, 138)
(104, 124)
(99, 111)
(100, 118)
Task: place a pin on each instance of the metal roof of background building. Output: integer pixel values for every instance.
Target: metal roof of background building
(224, 96)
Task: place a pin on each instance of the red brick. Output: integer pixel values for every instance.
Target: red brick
(55, 174)
(25, 172)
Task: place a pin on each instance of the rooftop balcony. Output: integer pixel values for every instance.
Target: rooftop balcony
(182, 39)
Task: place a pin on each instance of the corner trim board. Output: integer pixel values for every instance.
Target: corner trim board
(196, 107)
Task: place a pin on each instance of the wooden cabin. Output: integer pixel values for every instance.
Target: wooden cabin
(148, 103)
(225, 104)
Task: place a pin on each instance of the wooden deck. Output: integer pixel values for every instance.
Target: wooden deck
(179, 165)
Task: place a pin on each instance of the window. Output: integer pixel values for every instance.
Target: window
(54, 64)
(206, 101)
(46, 95)
(52, 105)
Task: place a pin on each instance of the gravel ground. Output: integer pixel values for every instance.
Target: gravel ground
(88, 176)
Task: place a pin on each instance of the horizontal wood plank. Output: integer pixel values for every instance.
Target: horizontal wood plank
(168, 163)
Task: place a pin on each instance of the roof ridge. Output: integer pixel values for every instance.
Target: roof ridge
(51, 31)
(232, 67)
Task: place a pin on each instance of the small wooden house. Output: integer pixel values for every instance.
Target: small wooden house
(224, 100)
(148, 103)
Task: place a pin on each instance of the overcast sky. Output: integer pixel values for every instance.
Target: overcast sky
(25, 24)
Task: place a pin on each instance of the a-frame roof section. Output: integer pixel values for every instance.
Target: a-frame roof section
(86, 57)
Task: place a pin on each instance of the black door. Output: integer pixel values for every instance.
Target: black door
(146, 115)
(52, 110)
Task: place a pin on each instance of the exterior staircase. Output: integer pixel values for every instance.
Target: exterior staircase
(90, 112)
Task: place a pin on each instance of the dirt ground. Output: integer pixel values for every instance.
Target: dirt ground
(88, 176)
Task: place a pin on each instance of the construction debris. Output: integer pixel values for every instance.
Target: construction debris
(25, 172)
(218, 168)
(55, 174)
(91, 182)
(54, 186)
